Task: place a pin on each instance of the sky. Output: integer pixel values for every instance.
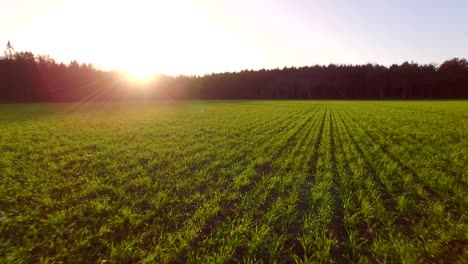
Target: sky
(203, 36)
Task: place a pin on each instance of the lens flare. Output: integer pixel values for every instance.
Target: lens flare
(140, 76)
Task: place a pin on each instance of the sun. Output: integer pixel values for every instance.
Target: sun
(139, 75)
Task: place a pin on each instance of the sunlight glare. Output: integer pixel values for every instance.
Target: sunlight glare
(140, 76)
(164, 37)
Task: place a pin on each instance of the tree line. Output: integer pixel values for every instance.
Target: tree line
(25, 77)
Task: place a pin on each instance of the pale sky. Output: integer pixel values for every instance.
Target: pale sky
(204, 36)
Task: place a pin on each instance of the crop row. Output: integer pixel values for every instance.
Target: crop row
(304, 182)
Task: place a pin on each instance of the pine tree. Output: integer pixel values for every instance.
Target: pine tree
(9, 51)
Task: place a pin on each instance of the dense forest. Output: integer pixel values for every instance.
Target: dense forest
(25, 77)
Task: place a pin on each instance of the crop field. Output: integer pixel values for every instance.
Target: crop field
(235, 182)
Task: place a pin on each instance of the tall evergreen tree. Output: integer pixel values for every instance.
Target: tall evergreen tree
(9, 51)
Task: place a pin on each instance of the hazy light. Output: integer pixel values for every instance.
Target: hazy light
(139, 79)
(140, 37)
(203, 36)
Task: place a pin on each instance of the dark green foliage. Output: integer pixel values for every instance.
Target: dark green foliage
(25, 77)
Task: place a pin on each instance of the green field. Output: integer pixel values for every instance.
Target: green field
(235, 181)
